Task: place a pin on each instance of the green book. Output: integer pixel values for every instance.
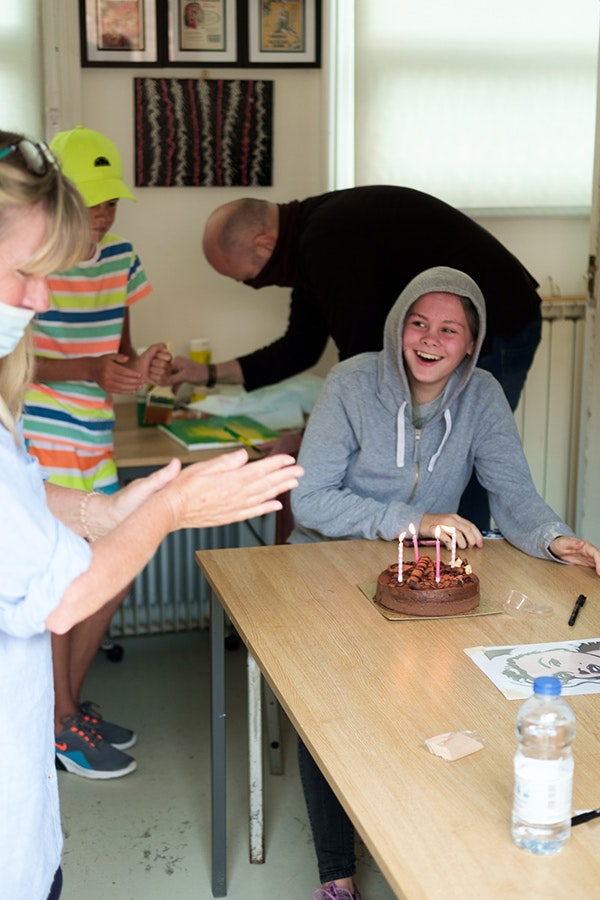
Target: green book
(218, 431)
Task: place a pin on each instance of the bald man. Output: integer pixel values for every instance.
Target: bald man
(347, 255)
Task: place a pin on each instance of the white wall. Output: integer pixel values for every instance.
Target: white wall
(190, 299)
(555, 250)
(165, 225)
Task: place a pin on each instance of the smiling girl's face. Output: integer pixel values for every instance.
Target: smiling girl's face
(435, 340)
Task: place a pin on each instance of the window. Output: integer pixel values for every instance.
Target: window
(487, 106)
(20, 70)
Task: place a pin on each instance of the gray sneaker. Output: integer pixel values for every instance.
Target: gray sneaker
(119, 737)
(81, 750)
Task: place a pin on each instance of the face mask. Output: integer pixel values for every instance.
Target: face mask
(13, 322)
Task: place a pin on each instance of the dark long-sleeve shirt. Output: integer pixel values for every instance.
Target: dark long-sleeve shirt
(347, 255)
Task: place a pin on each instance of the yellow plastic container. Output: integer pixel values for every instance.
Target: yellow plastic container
(200, 352)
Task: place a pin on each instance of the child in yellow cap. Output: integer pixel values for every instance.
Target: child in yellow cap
(84, 353)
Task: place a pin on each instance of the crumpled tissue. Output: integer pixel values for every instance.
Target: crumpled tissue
(279, 406)
(454, 744)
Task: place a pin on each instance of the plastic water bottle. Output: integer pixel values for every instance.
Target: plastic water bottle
(541, 819)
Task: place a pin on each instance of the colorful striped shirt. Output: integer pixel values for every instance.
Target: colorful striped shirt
(68, 424)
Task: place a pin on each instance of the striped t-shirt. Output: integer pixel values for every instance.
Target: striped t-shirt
(87, 308)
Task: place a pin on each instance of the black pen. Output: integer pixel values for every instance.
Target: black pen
(585, 817)
(578, 604)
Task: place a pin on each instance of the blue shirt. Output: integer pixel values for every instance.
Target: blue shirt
(39, 558)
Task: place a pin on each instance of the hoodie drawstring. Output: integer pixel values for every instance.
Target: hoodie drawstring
(401, 438)
(434, 458)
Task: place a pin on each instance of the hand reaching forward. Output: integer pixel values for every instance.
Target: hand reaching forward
(576, 551)
(225, 489)
(154, 364)
(117, 507)
(221, 490)
(229, 489)
(116, 373)
(467, 534)
(184, 369)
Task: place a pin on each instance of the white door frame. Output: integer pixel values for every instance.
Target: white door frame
(588, 477)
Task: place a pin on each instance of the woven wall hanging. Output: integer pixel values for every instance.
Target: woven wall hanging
(202, 132)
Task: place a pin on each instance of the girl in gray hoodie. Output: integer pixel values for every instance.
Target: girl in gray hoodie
(394, 435)
(392, 440)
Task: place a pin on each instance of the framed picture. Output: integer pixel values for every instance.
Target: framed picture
(202, 31)
(284, 33)
(118, 33)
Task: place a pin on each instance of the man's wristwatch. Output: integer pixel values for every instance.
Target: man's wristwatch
(212, 375)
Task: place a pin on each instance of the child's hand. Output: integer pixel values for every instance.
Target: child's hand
(154, 364)
(113, 374)
(467, 534)
(159, 368)
(576, 551)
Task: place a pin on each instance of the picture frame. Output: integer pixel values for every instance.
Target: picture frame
(205, 33)
(119, 33)
(283, 34)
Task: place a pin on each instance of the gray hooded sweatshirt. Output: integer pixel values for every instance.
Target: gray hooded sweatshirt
(369, 472)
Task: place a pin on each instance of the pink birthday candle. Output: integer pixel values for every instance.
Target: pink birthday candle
(437, 552)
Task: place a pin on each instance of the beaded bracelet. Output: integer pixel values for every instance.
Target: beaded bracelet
(83, 505)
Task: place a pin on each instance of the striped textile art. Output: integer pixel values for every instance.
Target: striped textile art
(203, 132)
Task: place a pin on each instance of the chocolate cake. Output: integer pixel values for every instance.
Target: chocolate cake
(418, 594)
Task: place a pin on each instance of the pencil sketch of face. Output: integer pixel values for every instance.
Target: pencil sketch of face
(567, 664)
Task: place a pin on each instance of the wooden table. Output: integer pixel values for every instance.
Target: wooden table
(364, 693)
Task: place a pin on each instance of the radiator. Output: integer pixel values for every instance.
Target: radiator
(548, 414)
(170, 594)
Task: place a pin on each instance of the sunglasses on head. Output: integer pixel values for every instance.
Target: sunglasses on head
(38, 157)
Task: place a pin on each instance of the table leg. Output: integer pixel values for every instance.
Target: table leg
(217, 720)
(255, 763)
(273, 715)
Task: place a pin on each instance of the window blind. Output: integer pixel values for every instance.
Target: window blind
(20, 69)
(487, 106)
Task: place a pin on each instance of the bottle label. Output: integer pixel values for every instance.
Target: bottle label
(543, 789)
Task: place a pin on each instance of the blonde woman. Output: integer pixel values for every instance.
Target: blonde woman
(64, 552)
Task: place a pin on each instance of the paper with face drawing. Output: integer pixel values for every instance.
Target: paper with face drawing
(513, 669)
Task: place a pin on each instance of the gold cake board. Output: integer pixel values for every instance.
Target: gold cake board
(486, 607)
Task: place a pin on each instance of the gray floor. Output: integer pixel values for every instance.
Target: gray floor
(147, 836)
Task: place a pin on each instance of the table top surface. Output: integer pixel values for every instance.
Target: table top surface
(365, 692)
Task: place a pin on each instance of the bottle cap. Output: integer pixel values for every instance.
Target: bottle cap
(547, 685)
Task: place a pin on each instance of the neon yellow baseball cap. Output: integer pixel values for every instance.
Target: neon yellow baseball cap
(93, 163)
